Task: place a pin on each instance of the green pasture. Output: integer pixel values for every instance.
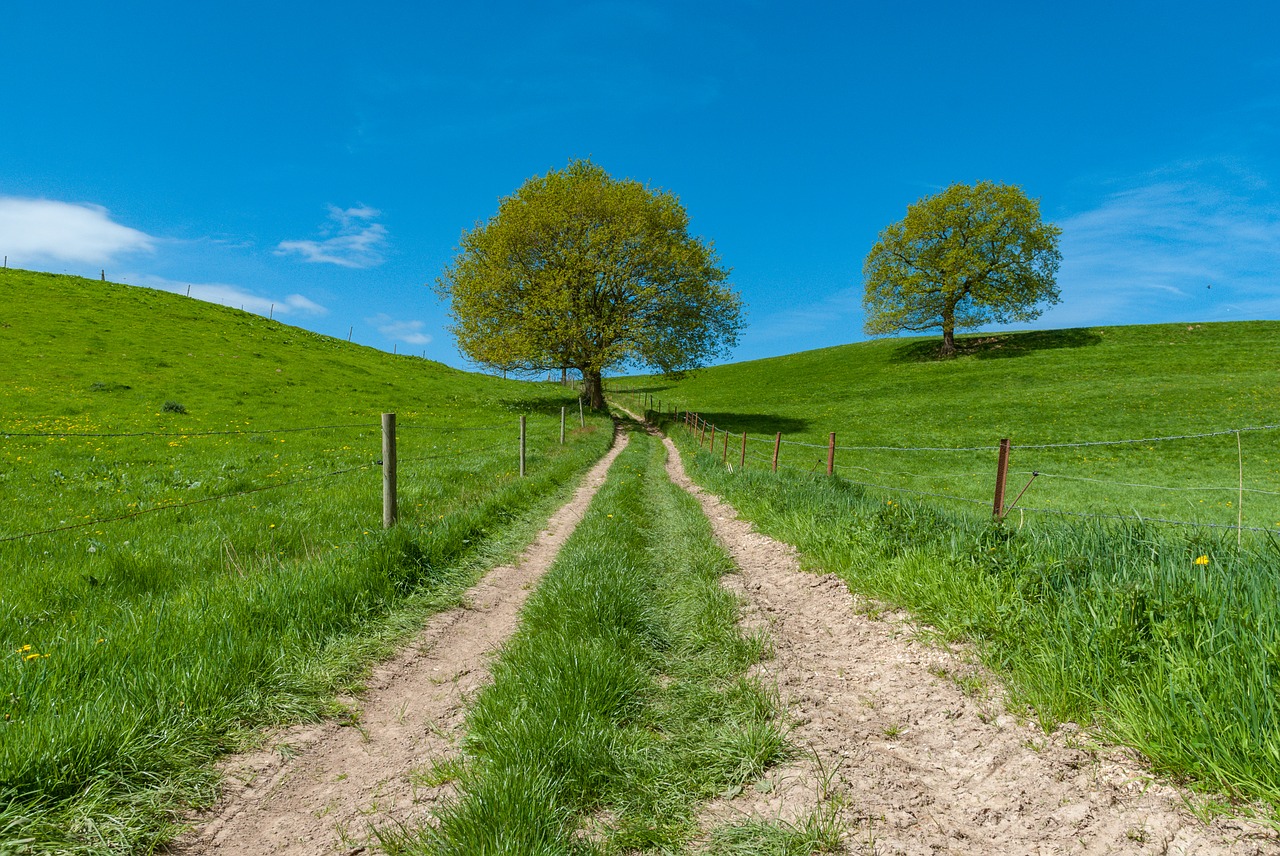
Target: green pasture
(892, 402)
(212, 557)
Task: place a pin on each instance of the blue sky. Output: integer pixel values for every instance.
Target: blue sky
(325, 158)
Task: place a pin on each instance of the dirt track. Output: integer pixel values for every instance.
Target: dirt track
(917, 744)
(320, 789)
(912, 741)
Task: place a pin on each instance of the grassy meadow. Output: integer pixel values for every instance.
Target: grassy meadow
(891, 403)
(1167, 637)
(192, 543)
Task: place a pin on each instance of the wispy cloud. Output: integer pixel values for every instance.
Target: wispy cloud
(350, 239)
(1197, 241)
(409, 332)
(39, 230)
(235, 296)
(836, 316)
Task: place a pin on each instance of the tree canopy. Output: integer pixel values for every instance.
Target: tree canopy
(971, 255)
(581, 271)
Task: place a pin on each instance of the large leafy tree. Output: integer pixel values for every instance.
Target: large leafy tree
(581, 271)
(971, 255)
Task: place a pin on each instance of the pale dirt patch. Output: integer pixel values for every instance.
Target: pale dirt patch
(321, 789)
(916, 743)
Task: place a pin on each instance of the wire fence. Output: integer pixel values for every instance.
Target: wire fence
(465, 454)
(873, 467)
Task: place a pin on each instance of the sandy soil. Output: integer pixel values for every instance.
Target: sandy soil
(321, 789)
(911, 742)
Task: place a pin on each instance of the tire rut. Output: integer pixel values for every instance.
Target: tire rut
(911, 743)
(322, 789)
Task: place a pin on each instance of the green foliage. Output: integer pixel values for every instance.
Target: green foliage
(579, 270)
(163, 640)
(971, 255)
(620, 705)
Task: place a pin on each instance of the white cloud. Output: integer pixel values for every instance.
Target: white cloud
(409, 332)
(45, 230)
(235, 296)
(352, 240)
(1197, 241)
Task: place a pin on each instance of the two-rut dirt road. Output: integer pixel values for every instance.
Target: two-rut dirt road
(907, 743)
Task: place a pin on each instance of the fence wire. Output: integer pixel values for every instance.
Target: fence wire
(790, 466)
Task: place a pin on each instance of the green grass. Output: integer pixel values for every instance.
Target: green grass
(1047, 387)
(1165, 636)
(134, 651)
(620, 706)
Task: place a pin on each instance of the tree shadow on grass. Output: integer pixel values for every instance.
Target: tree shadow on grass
(652, 387)
(998, 347)
(755, 423)
(543, 406)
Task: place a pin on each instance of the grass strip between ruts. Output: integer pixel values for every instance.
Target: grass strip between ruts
(621, 703)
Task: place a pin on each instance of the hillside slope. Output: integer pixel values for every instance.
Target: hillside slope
(1063, 388)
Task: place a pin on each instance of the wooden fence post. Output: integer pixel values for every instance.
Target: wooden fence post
(724, 456)
(742, 464)
(831, 454)
(712, 447)
(702, 435)
(1002, 471)
(582, 423)
(562, 412)
(389, 511)
(777, 447)
(522, 447)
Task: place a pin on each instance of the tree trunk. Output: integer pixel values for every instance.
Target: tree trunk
(593, 389)
(564, 376)
(948, 342)
(948, 330)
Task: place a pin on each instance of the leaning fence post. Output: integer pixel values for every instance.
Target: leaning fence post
(724, 456)
(562, 412)
(712, 447)
(742, 464)
(702, 435)
(831, 454)
(777, 447)
(522, 447)
(1002, 471)
(388, 470)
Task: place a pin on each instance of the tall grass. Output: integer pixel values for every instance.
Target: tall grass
(134, 651)
(620, 705)
(1168, 639)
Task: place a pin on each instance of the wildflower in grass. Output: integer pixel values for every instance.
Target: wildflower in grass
(24, 649)
(31, 657)
(1202, 560)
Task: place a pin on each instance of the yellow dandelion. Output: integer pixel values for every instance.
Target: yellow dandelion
(24, 649)
(1202, 560)
(31, 657)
